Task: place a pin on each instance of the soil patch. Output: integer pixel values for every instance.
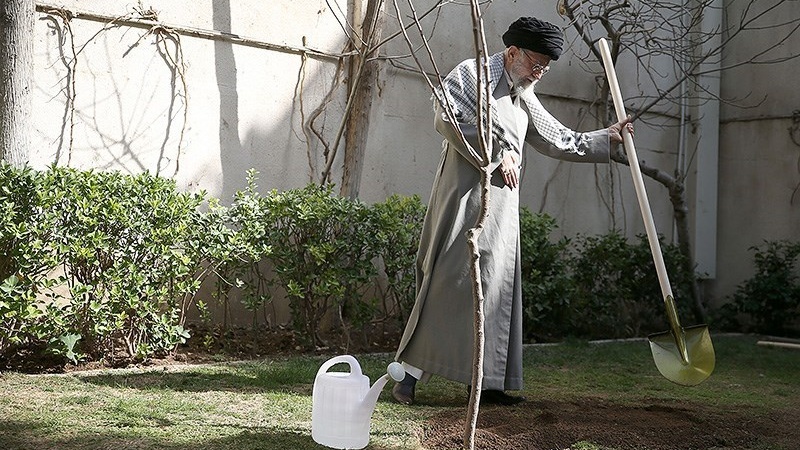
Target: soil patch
(215, 345)
(657, 424)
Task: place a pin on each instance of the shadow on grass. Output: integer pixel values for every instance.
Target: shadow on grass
(251, 377)
(254, 380)
(20, 435)
(287, 375)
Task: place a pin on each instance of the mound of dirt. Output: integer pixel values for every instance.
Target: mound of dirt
(658, 424)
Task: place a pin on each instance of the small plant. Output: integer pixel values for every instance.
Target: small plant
(322, 252)
(66, 345)
(771, 298)
(398, 224)
(546, 282)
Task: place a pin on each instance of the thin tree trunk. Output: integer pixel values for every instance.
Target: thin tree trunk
(484, 125)
(479, 317)
(485, 132)
(16, 79)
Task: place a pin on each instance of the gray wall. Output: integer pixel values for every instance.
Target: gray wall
(242, 107)
(759, 165)
(237, 110)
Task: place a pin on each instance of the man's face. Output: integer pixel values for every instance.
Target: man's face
(526, 67)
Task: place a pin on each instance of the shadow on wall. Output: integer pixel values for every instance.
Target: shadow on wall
(227, 82)
(124, 97)
(105, 119)
(269, 97)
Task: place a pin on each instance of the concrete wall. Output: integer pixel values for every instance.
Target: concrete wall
(242, 107)
(202, 112)
(759, 166)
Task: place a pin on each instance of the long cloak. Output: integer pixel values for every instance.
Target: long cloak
(439, 335)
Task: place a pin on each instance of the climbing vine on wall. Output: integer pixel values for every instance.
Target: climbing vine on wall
(167, 43)
(166, 39)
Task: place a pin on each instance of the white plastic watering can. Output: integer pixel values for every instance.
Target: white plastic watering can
(342, 403)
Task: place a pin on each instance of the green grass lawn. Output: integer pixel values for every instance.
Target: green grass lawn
(266, 404)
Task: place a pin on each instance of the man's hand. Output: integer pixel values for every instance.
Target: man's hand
(508, 168)
(615, 131)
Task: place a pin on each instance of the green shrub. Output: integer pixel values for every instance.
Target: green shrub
(322, 252)
(593, 287)
(546, 282)
(617, 293)
(398, 224)
(771, 298)
(26, 259)
(126, 246)
(243, 247)
(134, 251)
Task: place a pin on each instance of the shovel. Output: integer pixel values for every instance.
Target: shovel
(684, 356)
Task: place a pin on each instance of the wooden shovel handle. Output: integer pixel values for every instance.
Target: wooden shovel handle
(638, 182)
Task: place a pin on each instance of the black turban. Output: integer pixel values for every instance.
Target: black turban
(535, 35)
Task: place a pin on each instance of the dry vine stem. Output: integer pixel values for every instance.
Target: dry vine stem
(69, 104)
(162, 34)
(177, 65)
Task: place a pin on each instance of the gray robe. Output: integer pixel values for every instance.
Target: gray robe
(439, 335)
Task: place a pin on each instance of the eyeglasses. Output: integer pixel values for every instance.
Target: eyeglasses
(536, 67)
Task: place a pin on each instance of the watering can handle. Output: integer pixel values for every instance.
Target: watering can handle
(355, 368)
(636, 171)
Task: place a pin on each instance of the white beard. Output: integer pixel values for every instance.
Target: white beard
(517, 90)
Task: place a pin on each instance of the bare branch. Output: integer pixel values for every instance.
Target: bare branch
(451, 117)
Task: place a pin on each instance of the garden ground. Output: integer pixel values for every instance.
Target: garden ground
(582, 398)
(544, 424)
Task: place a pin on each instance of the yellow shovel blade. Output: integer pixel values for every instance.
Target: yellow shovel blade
(687, 369)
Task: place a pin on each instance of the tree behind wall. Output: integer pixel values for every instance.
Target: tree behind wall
(686, 34)
(16, 79)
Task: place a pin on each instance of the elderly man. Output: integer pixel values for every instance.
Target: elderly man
(438, 337)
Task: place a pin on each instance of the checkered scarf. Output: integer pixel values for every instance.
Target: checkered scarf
(459, 90)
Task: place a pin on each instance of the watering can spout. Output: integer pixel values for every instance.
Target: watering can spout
(395, 372)
(371, 399)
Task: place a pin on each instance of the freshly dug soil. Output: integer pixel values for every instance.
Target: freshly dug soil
(657, 425)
